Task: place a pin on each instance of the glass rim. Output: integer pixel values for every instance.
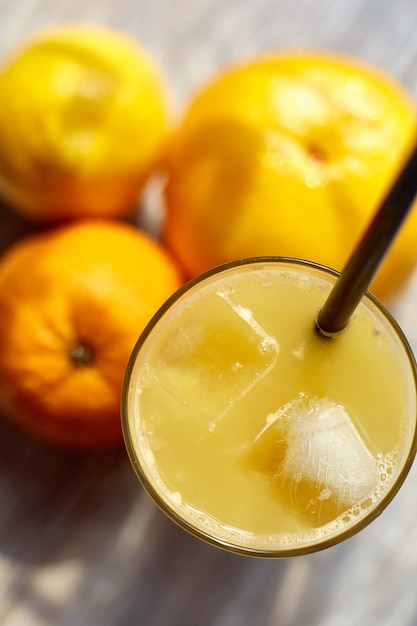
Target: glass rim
(180, 520)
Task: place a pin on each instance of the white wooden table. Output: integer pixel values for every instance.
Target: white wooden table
(81, 544)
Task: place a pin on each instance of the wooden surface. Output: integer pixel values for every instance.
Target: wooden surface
(80, 542)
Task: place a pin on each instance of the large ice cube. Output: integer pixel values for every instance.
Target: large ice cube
(214, 359)
(312, 448)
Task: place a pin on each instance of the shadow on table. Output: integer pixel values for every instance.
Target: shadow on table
(53, 499)
(183, 581)
(13, 226)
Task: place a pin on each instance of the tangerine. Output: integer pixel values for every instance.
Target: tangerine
(73, 301)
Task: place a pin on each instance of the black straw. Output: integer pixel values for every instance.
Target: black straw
(365, 259)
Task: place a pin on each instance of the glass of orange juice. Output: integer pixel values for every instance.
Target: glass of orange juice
(252, 430)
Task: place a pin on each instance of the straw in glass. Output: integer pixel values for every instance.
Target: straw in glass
(367, 256)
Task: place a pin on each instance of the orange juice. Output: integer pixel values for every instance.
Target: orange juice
(255, 432)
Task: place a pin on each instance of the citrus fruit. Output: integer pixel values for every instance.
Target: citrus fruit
(73, 301)
(84, 113)
(289, 155)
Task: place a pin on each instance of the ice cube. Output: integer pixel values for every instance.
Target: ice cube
(312, 448)
(221, 353)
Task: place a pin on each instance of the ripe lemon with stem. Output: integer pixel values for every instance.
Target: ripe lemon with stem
(289, 154)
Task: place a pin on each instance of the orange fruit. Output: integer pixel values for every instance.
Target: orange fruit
(73, 301)
(289, 155)
(84, 114)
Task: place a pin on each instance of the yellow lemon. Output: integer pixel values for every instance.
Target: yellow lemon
(83, 120)
(289, 155)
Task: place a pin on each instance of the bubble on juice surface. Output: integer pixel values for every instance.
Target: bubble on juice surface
(299, 351)
(315, 454)
(176, 498)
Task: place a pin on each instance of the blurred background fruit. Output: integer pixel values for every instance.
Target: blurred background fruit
(73, 302)
(84, 113)
(289, 155)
